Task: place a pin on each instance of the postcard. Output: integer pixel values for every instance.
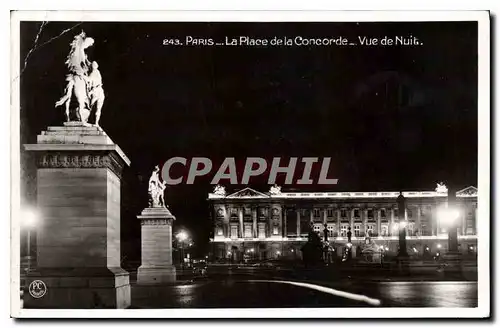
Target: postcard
(250, 164)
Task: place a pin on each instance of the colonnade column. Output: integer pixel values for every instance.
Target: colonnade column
(298, 223)
(338, 222)
(283, 223)
(379, 223)
(391, 228)
(254, 222)
(240, 216)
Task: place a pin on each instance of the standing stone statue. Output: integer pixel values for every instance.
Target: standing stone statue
(95, 91)
(156, 189)
(86, 88)
(156, 237)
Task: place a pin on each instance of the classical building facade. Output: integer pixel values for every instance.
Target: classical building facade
(262, 225)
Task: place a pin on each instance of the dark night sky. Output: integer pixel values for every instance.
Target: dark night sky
(390, 117)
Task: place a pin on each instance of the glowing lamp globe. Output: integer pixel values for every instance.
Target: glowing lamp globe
(448, 216)
(182, 236)
(30, 218)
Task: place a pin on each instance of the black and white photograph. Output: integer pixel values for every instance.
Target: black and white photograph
(307, 164)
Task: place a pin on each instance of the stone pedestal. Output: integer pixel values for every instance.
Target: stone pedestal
(156, 247)
(78, 236)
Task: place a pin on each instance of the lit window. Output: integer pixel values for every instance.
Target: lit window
(384, 229)
(423, 230)
(369, 229)
(343, 230)
(262, 231)
(357, 230)
(275, 230)
(331, 229)
(220, 232)
(248, 231)
(411, 229)
(234, 231)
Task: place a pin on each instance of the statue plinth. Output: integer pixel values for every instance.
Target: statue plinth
(156, 247)
(78, 239)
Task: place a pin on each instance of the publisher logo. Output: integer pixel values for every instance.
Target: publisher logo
(37, 288)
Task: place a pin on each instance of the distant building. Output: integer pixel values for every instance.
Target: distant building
(249, 224)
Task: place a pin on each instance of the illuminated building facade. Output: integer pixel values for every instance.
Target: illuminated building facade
(249, 224)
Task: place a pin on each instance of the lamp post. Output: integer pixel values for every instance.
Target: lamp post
(30, 219)
(401, 201)
(447, 218)
(326, 244)
(181, 237)
(349, 244)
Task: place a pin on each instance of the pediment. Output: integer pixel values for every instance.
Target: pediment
(247, 193)
(470, 191)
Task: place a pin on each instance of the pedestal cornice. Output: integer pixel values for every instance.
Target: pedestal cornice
(156, 216)
(77, 146)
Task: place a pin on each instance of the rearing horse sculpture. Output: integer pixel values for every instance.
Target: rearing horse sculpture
(78, 66)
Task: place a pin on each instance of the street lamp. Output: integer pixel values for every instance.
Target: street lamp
(29, 220)
(181, 237)
(448, 217)
(401, 202)
(349, 243)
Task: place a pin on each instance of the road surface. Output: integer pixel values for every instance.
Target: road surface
(256, 288)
